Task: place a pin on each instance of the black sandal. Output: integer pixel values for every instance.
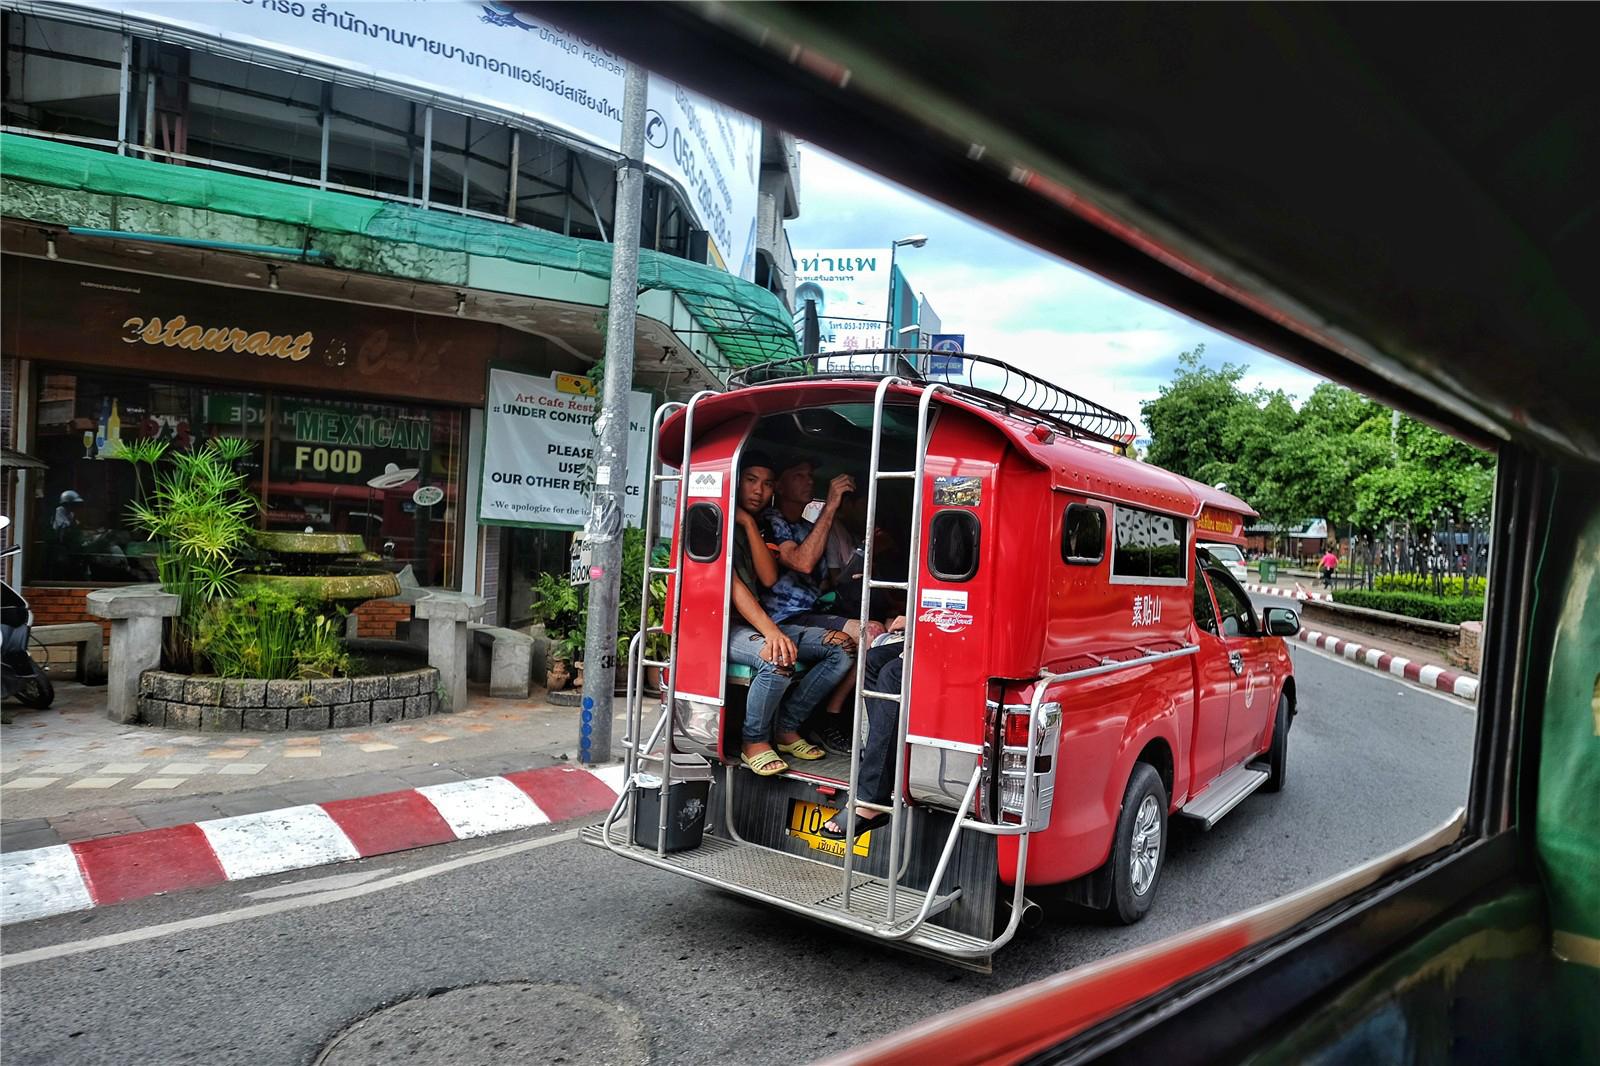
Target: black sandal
(863, 825)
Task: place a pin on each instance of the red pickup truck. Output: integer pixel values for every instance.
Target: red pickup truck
(1075, 670)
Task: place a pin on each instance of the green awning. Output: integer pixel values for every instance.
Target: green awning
(747, 323)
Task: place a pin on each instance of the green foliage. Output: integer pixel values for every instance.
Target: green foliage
(1337, 456)
(268, 633)
(563, 609)
(1453, 609)
(196, 507)
(1452, 584)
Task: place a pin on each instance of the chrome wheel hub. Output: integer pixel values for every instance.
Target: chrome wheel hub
(1144, 857)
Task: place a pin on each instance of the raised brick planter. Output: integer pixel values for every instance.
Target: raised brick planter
(218, 705)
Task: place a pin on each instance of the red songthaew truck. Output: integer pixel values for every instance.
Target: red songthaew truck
(1074, 670)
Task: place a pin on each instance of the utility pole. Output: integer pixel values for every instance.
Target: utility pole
(603, 531)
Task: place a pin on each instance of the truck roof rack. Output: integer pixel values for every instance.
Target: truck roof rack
(976, 378)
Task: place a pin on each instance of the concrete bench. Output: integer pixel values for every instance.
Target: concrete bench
(502, 657)
(137, 613)
(90, 641)
(447, 614)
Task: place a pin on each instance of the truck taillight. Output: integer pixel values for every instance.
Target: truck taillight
(1019, 762)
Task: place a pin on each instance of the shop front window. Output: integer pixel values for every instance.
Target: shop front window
(387, 472)
(390, 473)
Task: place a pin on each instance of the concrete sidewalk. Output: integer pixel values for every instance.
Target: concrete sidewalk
(69, 774)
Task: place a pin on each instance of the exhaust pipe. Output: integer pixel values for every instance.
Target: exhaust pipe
(1032, 914)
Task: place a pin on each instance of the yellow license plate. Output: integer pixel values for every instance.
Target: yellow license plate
(806, 821)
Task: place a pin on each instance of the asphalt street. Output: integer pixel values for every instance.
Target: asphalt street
(604, 960)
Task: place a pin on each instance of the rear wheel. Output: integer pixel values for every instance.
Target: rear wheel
(1278, 753)
(1141, 845)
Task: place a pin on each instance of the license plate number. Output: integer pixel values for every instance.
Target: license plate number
(806, 821)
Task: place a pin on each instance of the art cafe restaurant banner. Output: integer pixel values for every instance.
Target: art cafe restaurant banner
(539, 451)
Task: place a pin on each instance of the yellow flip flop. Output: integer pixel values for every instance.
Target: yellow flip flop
(765, 764)
(803, 749)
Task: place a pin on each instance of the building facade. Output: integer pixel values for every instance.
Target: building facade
(324, 234)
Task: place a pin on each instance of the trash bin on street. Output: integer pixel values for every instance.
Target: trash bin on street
(687, 801)
(1268, 569)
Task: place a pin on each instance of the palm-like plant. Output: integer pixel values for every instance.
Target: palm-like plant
(196, 507)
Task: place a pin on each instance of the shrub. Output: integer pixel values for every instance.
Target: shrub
(563, 609)
(1452, 609)
(267, 633)
(1451, 583)
(197, 508)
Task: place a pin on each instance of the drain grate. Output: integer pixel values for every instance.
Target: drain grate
(494, 1024)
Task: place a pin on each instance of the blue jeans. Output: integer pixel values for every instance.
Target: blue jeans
(875, 777)
(826, 665)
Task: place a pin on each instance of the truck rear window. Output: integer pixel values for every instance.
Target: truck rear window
(1083, 534)
(702, 532)
(953, 545)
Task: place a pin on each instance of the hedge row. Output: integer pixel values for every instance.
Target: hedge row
(1452, 609)
(1424, 583)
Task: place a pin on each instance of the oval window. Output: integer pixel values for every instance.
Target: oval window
(953, 545)
(702, 532)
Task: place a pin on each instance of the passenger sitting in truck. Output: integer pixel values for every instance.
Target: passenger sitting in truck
(801, 545)
(770, 650)
(885, 662)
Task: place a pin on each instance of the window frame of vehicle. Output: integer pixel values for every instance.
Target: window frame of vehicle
(1216, 573)
(1125, 547)
(1068, 513)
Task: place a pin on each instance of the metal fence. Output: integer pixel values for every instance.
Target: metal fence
(1445, 557)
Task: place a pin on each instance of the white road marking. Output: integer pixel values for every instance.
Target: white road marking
(1397, 666)
(39, 883)
(1430, 674)
(1466, 687)
(1372, 656)
(274, 841)
(483, 805)
(283, 906)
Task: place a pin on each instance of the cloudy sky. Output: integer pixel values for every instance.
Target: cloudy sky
(1014, 303)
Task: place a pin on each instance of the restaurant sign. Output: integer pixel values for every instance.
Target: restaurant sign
(538, 453)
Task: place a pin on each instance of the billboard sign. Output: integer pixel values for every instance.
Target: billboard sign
(851, 289)
(944, 359)
(500, 60)
(538, 451)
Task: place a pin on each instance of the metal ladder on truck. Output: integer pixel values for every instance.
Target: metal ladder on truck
(882, 908)
(637, 752)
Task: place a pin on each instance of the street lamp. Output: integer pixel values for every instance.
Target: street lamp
(916, 240)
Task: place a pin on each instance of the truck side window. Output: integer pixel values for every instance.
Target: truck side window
(702, 532)
(1205, 616)
(1083, 534)
(953, 545)
(1149, 545)
(1238, 620)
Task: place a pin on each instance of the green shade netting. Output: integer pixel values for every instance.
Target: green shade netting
(747, 323)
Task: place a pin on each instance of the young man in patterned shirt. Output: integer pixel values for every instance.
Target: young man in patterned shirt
(771, 649)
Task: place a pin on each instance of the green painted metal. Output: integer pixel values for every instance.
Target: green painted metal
(746, 323)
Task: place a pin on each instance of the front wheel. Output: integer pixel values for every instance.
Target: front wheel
(1141, 845)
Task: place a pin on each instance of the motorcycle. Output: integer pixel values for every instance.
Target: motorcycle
(21, 678)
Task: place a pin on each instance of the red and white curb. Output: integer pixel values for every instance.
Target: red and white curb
(1463, 685)
(92, 873)
(1299, 592)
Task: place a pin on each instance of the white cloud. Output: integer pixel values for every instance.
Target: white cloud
(1015, 303)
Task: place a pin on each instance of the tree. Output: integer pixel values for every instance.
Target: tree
(1189, 421)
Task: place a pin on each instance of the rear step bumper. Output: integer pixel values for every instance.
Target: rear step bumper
(809, 888)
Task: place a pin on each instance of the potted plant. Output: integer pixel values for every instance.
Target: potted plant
(559, 608)
(198, 509)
